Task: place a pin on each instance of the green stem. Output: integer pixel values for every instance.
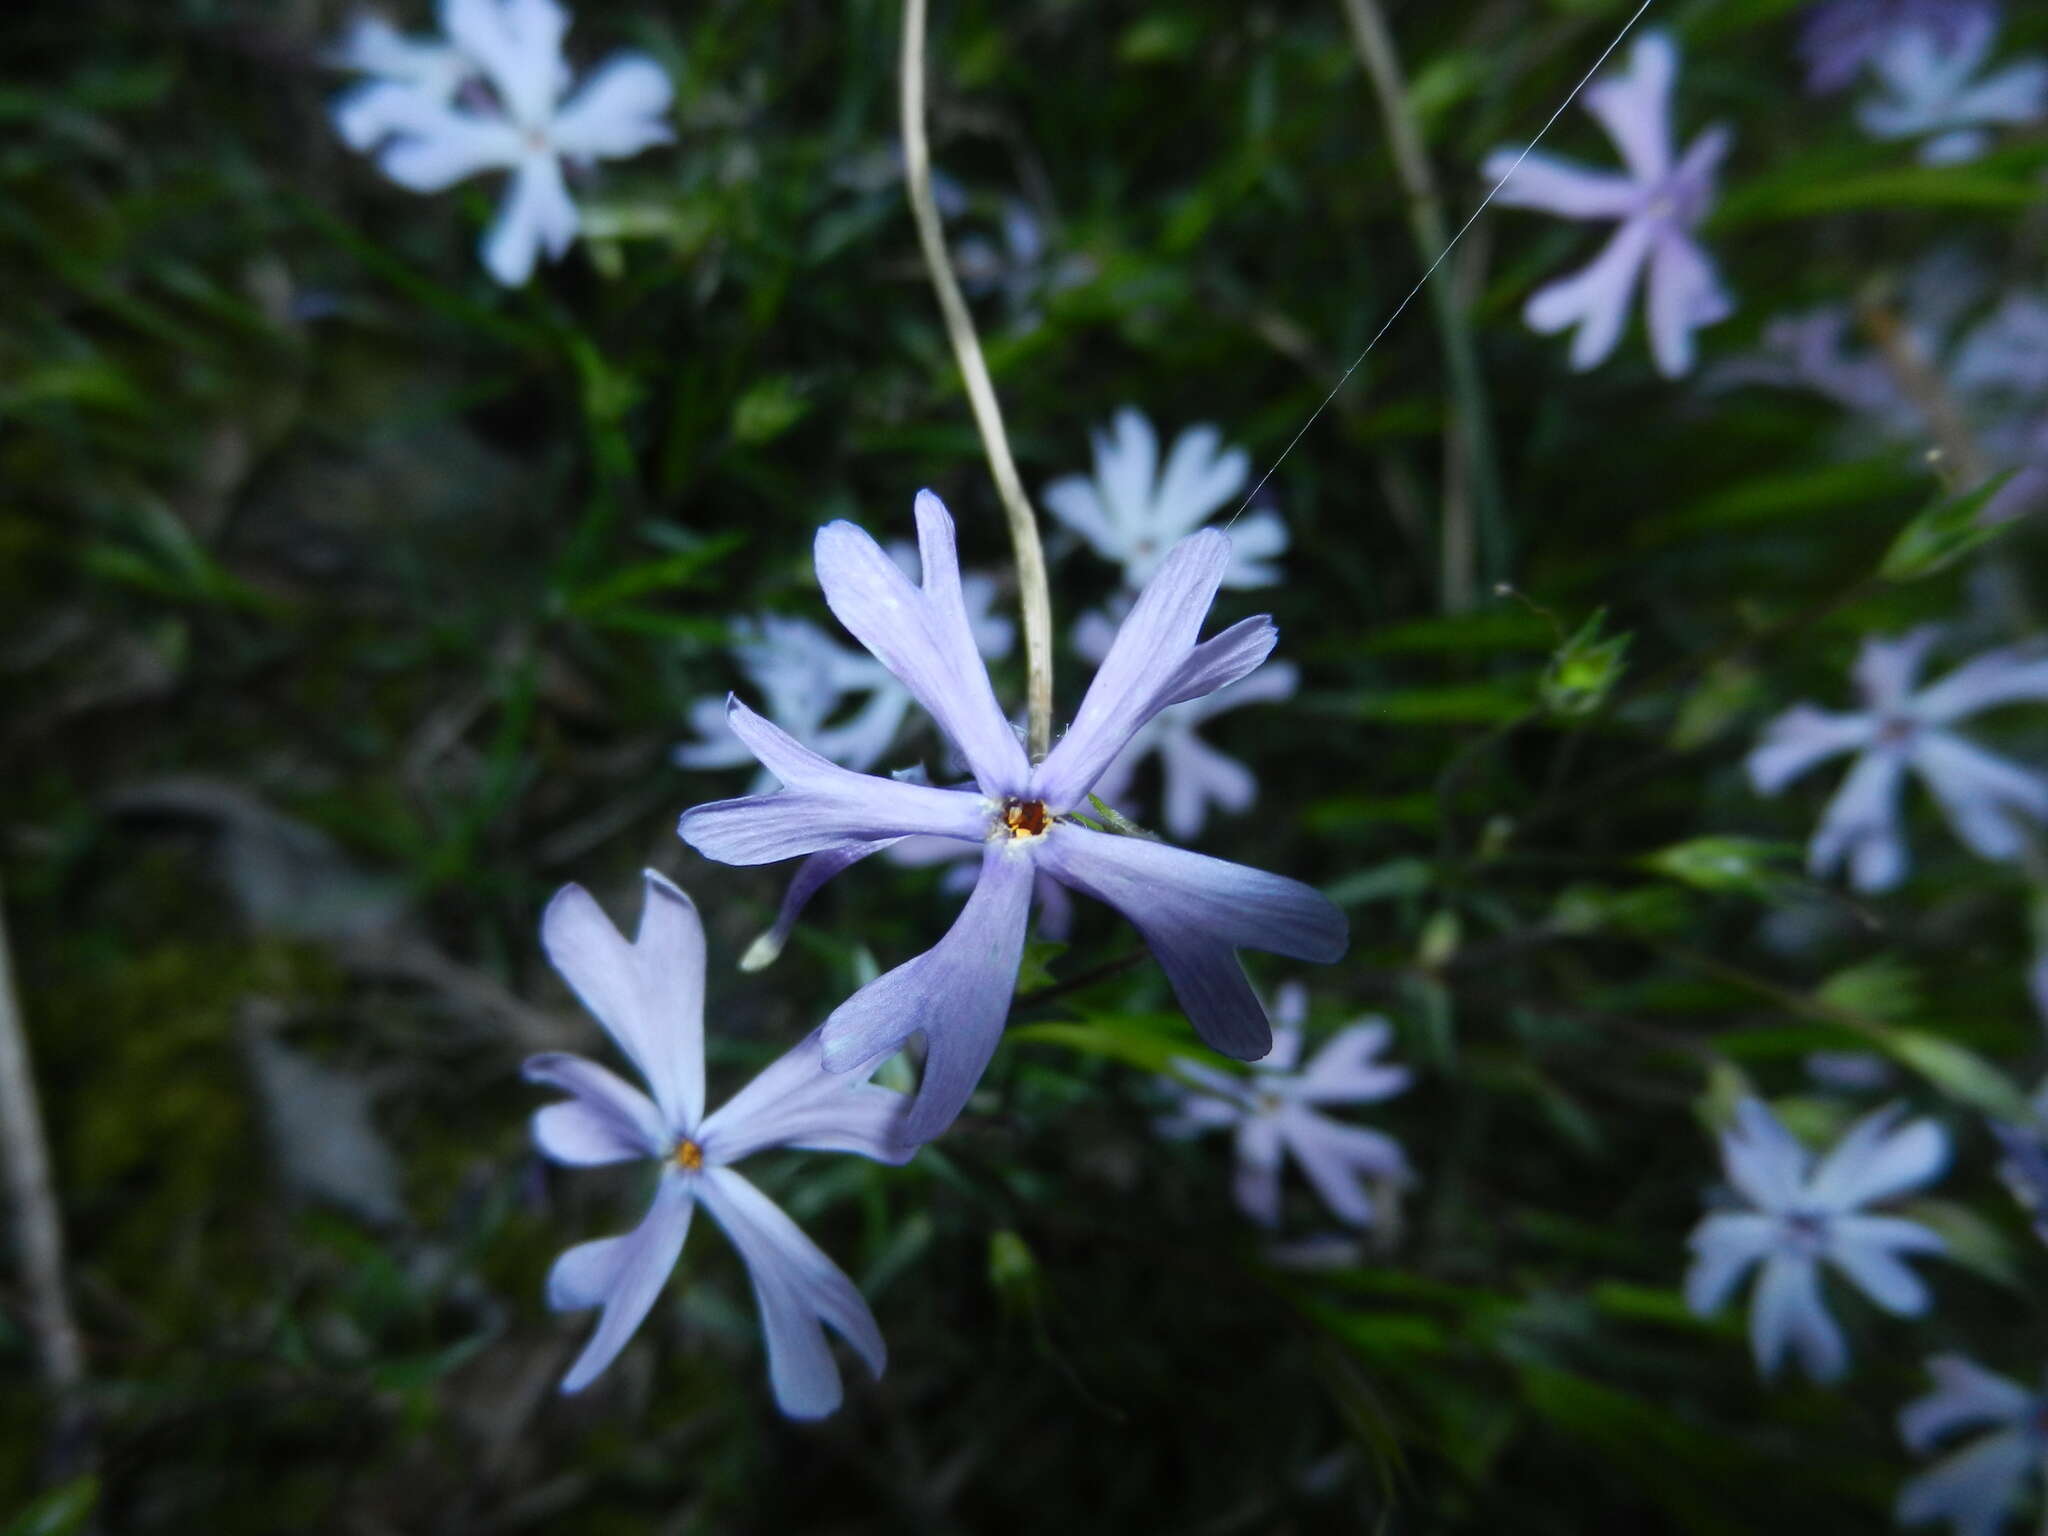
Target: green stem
(1473, 416)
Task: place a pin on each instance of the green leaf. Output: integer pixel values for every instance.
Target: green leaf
(1584, 669)
(1959, 1072)
(1461, 704)
(1382, 882)
(1149, 1042)
(1943, 533)
(666, 573)
(767, 410)
(1882, 988)
(1744, 866)
(59, 1512)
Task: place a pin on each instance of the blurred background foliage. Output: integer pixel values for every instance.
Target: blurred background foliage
(349, 605)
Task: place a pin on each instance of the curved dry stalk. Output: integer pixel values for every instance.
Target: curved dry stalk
(1033, 591)
(32, 1200)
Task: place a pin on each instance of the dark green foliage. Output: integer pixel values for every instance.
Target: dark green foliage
(349, 605)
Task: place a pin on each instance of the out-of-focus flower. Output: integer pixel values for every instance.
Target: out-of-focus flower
(1929, 91)
(806, 678)
(1276, 1113)
(1194, 912)
(1994, 371)
(1021, 269)
(1131, 512)
(1658, 203)
(529, 128)
(1985, 797)
(1974, 1488)
(649, 996)
(401, 70)
(2025, 1165)
(1193, 775)
(1841, 36)
(1799, 1220)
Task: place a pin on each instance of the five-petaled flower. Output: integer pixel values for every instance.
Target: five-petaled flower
(1930, 92)
(1195, 912)
(1973, 1488)
(1132, 512)
(1801, 1218)
(1658, 201)
(1984, 796)
(1277, 1112)
(528, 129)
(649, 996)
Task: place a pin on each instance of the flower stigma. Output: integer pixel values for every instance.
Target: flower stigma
(688, 1156)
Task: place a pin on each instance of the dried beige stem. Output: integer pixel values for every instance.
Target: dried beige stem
(1033, 592)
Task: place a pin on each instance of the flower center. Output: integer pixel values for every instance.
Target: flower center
(1806, 1232)
(1895, 730)
(1026, 818)
(687, 1156)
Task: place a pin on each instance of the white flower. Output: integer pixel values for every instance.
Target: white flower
(1132, 513)
(1930, 94)
(649, 996)
(1973, 1488)
(1276, 1112)
(1799, 1220)
(1985, 797)
(532, 131)
(403, 71)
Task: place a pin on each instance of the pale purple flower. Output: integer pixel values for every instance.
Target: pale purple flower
(1987, 799)
(1193, 774)
(1929, 91)
(1842, 36)
(1021, 268)
(1800, 1218)
(1277, 1112)
(649, 996)
(1195, 912)
(1995, 371)
(401, 72)
(528, 129)
(1658, 202)
(807, 679)
(1973, 1488)
(1132, 512)
(2024, 1167)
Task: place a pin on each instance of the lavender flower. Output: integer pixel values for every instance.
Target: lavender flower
(1131, 513)
(806, 677)
(649, 996)
(403, 70)
(1930, 93)
(1658, 204)
(1841, 36)
(1194, 775)
(1276, 1113)
(1020, 269)
(1973, 1488)
(1798, 1220)
(531, 131)
(1995, 371)
(1195, 912)
(1985, 797)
